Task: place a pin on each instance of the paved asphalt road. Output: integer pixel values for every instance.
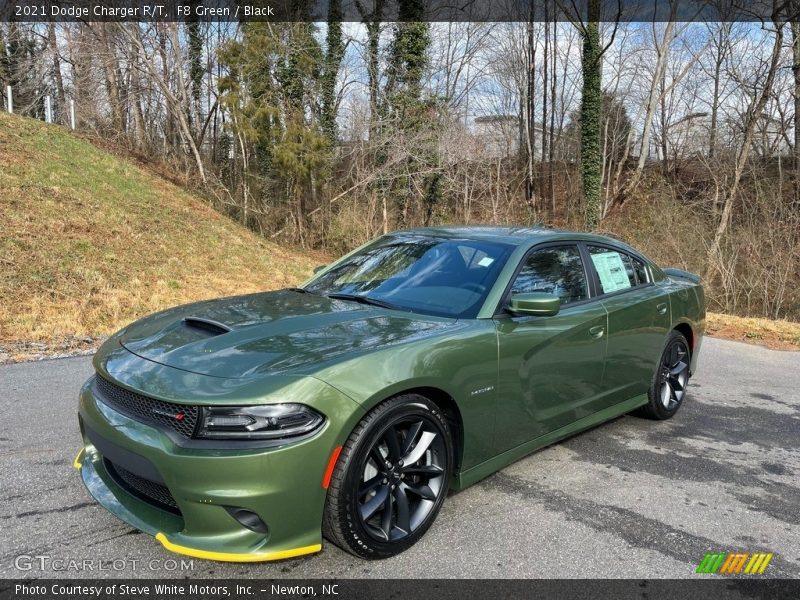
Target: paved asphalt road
(631, 498)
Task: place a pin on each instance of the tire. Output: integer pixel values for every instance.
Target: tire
(378, 505)
(668, 387)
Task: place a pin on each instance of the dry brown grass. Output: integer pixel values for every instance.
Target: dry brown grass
(90, 241)
(778, 335)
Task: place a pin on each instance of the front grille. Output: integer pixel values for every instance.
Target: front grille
(149, 491)
(144, 408)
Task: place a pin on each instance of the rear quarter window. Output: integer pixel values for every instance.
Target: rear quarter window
(642, 274)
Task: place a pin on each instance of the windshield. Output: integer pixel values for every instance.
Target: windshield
(429, 275)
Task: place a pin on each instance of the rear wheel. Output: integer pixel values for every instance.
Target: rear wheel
(670, 380)
(390, 479)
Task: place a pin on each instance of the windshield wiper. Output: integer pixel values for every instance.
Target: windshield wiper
(366, 300)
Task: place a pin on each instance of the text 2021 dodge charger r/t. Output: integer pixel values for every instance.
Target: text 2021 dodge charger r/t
(246, 428)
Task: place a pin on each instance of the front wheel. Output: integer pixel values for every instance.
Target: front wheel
(391, 478)
(668, 388)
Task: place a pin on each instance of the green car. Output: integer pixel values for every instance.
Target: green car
(248, 428)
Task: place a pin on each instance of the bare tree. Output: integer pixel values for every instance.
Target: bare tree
(176, 105)
(760, 91)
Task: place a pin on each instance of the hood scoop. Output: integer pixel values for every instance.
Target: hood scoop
(207, 326)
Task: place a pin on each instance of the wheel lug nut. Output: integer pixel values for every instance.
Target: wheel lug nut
(393, 486)
(385, 480)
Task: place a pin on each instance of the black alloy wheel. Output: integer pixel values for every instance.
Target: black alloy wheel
(674, 374)
(402, 477)
(391, 478)
(668, 388)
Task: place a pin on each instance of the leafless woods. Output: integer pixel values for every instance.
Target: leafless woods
(326, 135)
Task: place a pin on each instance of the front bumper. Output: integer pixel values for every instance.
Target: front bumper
(283, 485)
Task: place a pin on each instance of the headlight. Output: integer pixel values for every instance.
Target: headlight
(270, 421)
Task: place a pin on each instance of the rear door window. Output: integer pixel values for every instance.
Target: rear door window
(615, 269)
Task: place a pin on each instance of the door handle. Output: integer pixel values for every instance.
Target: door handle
(597, 331)
(662, 308)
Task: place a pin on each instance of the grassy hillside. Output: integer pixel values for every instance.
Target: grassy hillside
(89, 241)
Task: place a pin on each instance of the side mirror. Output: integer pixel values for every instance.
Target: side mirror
(319, 268)
(535, 303)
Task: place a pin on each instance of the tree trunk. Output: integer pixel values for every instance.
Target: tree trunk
(140, 130)
(662, 54)
(551, 130)
(545, 81)
(333, 60)
(591, 110)
(170, 135)
(718, 61)
(530, 115)
(51, 40)
(796, 71)
(372, 22)
(664, 130)
(111, 80)
(180, 83)
(194, 55)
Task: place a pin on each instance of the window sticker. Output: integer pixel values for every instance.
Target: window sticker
(485, 261)
(611, 271)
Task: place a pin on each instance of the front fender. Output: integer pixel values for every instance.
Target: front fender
(461, 364)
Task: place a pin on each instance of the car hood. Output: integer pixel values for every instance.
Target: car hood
(270, 333)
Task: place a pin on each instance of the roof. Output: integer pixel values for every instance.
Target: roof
(515, 236)
(510, 235)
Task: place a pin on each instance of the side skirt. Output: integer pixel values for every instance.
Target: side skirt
(483, 470)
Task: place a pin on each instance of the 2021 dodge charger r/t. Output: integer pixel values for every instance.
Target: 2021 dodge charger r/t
(246, 428)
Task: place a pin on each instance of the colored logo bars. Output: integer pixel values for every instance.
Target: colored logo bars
(733, 563)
